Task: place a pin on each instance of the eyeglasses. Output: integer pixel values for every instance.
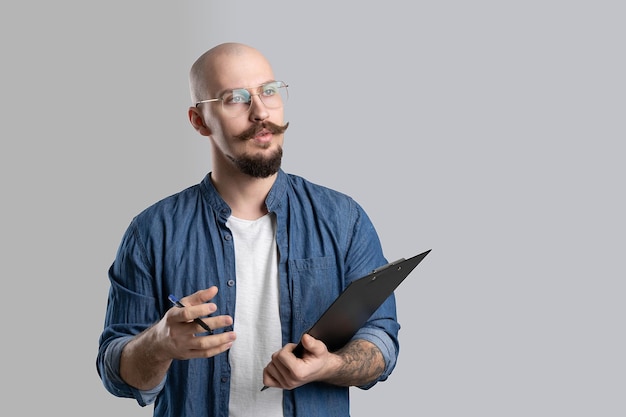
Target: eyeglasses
(237, 102)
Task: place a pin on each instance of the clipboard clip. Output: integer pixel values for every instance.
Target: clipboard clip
(387, 265)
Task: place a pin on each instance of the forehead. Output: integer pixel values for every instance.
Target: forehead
(239, 70)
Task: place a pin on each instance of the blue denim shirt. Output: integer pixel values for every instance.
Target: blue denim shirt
(181, 245)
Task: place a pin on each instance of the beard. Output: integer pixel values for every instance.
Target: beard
(258, 166)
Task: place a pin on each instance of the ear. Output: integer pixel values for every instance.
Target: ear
(197, 121)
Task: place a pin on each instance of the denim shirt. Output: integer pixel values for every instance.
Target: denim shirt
(181, 245)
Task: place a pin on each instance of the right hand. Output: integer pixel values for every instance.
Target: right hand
(177, 332)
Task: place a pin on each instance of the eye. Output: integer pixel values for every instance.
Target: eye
(237, 97)
(270, 89)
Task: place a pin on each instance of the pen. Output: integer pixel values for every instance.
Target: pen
(197, 320)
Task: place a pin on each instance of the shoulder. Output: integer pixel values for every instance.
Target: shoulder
(327, 202)
(301, 185)
(169, 208)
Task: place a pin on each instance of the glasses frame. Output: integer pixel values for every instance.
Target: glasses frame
(258, 93)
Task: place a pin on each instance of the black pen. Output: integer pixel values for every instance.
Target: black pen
(197, 320)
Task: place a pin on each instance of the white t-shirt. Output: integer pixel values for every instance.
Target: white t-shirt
(257, 320)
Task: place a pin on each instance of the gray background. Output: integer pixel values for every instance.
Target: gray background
(489, 131)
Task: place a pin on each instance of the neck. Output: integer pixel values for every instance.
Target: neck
(244, 195)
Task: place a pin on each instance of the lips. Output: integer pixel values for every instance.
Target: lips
(264, 137)
(262, 133)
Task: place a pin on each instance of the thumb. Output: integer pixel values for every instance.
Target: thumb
(312, 345)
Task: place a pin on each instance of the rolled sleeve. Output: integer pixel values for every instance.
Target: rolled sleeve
(387, 347)
(114, 382)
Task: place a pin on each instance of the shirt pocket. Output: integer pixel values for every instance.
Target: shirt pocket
(316, 283)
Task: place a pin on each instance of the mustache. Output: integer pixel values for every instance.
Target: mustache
(266, 125)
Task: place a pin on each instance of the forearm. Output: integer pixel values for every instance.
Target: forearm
(358, 363)
(142, 364)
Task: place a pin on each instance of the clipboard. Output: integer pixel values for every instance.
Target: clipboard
(357, 302)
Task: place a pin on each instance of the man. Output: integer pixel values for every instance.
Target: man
(256, 254)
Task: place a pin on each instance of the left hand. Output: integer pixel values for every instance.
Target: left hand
(287, 371)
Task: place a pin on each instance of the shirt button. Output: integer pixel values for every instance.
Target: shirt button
(228, 237)
(231, 282)
(224, 379)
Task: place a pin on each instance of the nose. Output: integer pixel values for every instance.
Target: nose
(258, 111)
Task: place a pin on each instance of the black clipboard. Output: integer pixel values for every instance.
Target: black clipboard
(358, 301)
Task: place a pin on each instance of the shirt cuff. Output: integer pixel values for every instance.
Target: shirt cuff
(112, 369)
(381, 340)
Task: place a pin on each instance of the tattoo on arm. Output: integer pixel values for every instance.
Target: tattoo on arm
(362, 362)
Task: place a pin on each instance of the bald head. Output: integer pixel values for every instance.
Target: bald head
(228, 65)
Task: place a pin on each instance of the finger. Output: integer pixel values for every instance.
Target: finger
(214, 341)
(200, 297)
(188, 314)
(282, 367)
(212, 324)
(208, 346)
(272, 377)
(219, 322)
(268, 379)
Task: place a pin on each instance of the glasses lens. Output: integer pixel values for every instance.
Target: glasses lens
(236, 102)
(274, 95)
